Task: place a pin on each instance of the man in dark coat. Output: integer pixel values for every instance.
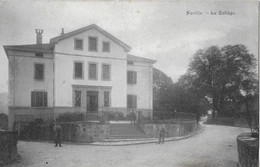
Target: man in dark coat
(162, 132)
(57, 130)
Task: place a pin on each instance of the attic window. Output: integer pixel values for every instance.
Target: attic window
(130, 62)
(92, 44)
(106, 47)
(39, 54)
(78, 44)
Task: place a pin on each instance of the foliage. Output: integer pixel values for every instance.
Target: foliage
(71, 117)
(222, 75)
(161, 91)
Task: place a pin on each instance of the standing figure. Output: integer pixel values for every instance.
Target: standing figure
(161, 133)
(57, 130)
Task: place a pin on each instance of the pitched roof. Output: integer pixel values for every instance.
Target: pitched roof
(47, 48)
(139, 59)
(67, 35)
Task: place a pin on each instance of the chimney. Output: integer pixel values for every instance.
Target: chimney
(62, 31)
(39, 36)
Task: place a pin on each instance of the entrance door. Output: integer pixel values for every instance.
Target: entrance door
(92, 101)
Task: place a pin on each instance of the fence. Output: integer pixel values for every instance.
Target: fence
(8, 146)
(175, 116)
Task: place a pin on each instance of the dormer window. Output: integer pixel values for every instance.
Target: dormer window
(106, 47)
(78, 44)
(39, 54)
(92, 44)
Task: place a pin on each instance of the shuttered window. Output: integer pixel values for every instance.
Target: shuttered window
(105, 72)
(78, 44)
(92, 44)
(131, 77)
(77, 99)
(38, 72)
(131, 101)
(106, 99)
(39, 99)
(106, 47)
(78, 70)
(92, 71)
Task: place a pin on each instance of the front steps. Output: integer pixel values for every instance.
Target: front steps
(126, 131)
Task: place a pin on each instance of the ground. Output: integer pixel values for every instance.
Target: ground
(214, 147)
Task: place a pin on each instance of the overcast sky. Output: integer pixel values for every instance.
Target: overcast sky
(158, 30)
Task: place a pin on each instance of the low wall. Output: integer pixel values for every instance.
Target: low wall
(8, 146)
(85, 131)
(172, 129)
(247, 148)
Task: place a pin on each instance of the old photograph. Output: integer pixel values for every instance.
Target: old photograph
(129, 83)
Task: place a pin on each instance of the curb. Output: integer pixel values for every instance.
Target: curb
(133, 142)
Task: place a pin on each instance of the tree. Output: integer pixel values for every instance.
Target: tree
(222, 74)
(161, 90)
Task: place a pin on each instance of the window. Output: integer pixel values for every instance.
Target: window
(92, 44)
(131, 77)
(78, 44)
(39, 54)
(106, 99)
(78, 70)
(38, 72)
(106, 72)
(38, 99)
(106, 47)
(92, 71)
(77, 100)
(131, 101)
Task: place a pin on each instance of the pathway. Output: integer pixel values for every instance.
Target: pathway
(214, 147)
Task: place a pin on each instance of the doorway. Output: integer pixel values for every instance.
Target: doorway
(92, 101)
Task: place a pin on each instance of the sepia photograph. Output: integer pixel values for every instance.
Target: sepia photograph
(129, 83)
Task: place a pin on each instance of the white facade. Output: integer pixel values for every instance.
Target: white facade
(60, 84)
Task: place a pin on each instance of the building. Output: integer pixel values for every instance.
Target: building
(87, 70)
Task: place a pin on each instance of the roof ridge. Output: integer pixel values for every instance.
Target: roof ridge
(104, 32)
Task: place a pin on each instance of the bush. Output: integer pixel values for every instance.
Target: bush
(71, 117)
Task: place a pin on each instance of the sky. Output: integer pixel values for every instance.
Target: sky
(159, 30)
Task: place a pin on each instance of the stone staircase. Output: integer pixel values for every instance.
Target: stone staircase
(126, 131)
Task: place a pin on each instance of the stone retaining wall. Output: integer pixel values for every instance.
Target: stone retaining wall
(247, 148)
(8, 146)
(172, 129)
(85, 132)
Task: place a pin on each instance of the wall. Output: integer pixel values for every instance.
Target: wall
(173, 129)
(65, 55)
(21, 79)
(144, 87)
(248, 148)
(8, 146)
(85, 132)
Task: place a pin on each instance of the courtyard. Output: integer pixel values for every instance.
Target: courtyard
(214, 147)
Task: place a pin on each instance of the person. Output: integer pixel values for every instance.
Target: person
(161, 133)
(57, 130)
(132, 116)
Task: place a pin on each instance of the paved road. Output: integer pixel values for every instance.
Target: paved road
(215, 147)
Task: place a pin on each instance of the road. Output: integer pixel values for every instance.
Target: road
(214, 147)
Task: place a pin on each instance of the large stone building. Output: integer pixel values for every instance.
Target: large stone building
(87, 70)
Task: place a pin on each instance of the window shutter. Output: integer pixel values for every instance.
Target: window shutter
(134, 101)
(33, 99)
(134, 77)
(45, 99)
